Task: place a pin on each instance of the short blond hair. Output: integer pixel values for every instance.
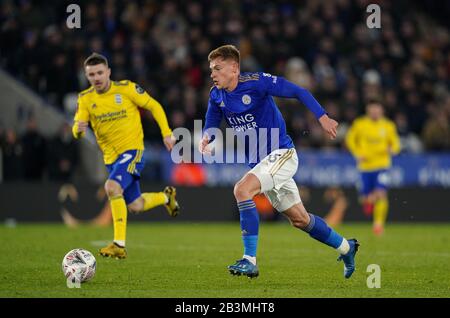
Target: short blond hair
(226, 52)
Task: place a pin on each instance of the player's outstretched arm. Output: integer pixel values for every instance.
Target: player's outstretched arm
(160, 116)
(278, 86)
(142, 99)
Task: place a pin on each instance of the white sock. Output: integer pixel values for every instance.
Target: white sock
(120, 243)
(344, 247)
(252, 259)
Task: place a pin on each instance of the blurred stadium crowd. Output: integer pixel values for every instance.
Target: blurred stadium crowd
(324, 46)
(33, 157)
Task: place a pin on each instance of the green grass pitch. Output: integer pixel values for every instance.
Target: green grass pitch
(189, 260)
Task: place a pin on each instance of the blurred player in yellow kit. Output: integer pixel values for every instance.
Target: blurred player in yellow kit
(112, 109)
(372, 139)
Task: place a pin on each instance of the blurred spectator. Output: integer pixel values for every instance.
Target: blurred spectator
(409, 142)
(436, 133)
(12, 152)
(34, 151)
(2, 133)
(62, 155)
(297, 72)
(323, 46)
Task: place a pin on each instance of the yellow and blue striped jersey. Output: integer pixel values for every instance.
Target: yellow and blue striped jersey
(115, 117)
(372, 143)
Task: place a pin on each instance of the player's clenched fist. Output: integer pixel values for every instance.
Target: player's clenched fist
(329, 125)
(169, 142)
(82, 126)
(203, 145)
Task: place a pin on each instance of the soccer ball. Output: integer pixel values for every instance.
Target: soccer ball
(79, 265)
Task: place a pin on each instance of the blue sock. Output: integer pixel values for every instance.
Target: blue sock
(249, 218)
(319, 230)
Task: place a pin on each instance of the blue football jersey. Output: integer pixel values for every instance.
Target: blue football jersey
(250, 110)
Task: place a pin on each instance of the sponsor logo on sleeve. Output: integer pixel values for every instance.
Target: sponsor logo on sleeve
(139, 89)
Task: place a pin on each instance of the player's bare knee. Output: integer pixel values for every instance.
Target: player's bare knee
(381, 194)
(241, 193)
(112, 188)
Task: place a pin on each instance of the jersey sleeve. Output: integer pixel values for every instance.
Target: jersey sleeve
(142, 99)
(394, 139)
(82, 114)
(280, 87)
(213, 116)
(160, 116)
(137, 94)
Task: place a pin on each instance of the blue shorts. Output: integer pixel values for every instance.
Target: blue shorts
(126, 170)
(373, 180)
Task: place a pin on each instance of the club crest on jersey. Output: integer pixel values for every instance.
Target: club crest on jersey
(221, 104)
(246, 99)
(118, 98)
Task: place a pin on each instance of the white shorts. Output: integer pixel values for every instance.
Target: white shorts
(275, 173)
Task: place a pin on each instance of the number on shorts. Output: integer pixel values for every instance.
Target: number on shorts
(126, 157)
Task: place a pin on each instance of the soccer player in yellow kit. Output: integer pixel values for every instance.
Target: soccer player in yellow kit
(112, 109)
(372, 140)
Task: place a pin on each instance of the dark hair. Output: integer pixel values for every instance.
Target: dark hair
(95, 59)
(225, 52)
(372, 101)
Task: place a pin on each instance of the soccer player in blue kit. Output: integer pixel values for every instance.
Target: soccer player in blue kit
(245, 101)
